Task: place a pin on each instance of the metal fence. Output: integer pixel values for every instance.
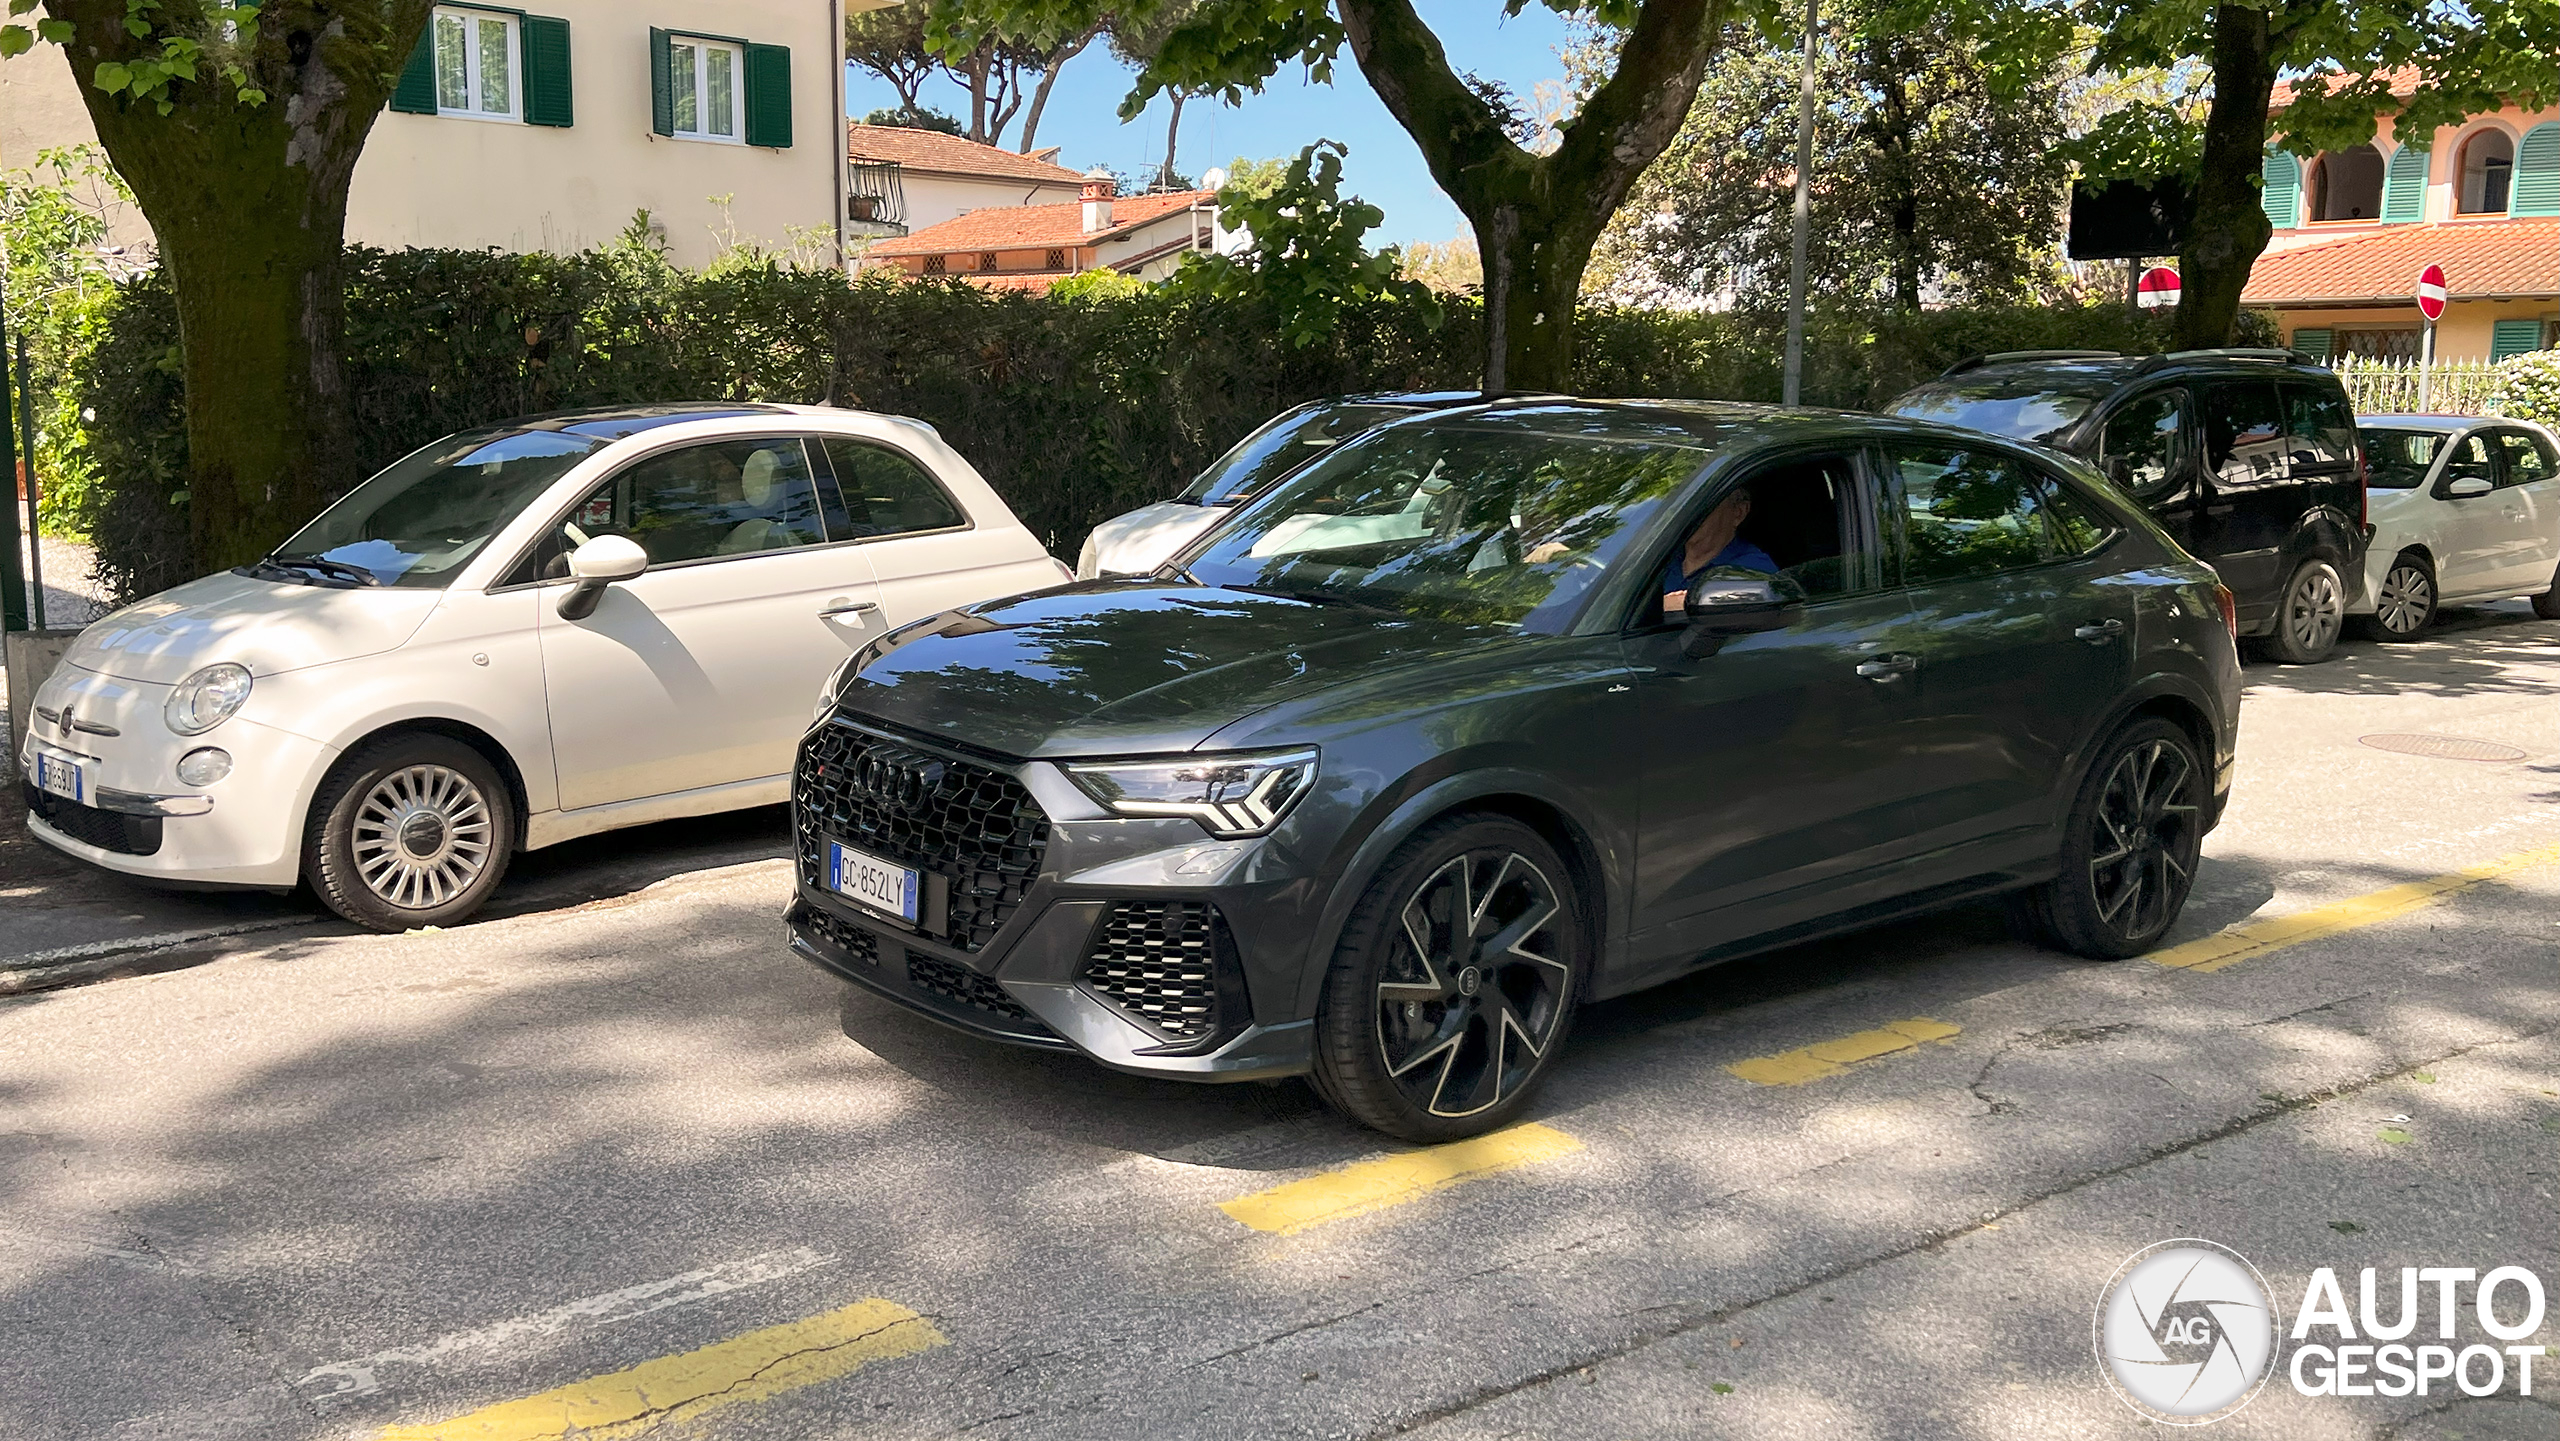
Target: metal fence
(2404, 387)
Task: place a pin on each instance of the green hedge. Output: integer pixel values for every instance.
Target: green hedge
(1074, 408)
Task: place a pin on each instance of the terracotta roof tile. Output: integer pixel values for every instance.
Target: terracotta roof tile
(2481, 259)
(947, 154)
(2404, 83)
(1032, 227)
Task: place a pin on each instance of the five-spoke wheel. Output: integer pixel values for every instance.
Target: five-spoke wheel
(1454, 983)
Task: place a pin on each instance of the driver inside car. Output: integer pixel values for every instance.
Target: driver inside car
(1716, 542)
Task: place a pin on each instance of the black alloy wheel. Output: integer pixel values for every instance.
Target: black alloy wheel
(2309, 615)
(2404, 605)
(1454, 984)
(2130, 848)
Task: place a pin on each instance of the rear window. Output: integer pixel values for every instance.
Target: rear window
(2020, 410)
(2399, 458)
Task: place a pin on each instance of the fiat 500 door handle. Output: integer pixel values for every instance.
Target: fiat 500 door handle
(849, 607)
(1885, 669)
(2099, 632)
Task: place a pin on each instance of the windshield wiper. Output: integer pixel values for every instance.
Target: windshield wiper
(1317, 597)
(300, 569)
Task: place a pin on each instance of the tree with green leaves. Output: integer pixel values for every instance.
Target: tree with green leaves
(1136, 40)
(1535, 216)
(1305, 253)
(238, 127)
(2470, 57)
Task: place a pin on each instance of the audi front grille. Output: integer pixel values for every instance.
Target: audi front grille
(976, 827)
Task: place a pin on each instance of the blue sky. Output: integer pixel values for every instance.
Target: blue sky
(1383, 167)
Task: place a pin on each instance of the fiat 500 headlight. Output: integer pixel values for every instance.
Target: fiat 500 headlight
(1231, 796)
(208, 698)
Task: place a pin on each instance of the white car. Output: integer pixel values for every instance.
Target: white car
(2464, 508)
(510, 638)
(1144, 539)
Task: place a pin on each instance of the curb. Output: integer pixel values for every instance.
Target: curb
(70, 965)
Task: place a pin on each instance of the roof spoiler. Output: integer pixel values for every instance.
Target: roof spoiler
(2174, 357)
(2002, 357)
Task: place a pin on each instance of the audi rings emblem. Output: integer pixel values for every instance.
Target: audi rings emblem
(900, 778)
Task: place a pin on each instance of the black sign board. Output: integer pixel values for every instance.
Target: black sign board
(2128, 219)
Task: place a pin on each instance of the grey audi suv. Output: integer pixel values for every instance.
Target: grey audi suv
(1461, 726)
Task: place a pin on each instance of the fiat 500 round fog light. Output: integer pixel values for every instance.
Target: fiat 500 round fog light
(204, 766)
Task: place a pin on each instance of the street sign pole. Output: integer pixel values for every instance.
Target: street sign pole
(1792, 389)
(13, 585)
(2431, 297)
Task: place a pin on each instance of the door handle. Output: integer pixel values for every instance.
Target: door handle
(2220, 509)
(1886, 669)
(2099, 632)
(848, 607)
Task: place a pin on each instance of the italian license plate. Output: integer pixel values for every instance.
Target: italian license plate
(62, 776)
(874, 882)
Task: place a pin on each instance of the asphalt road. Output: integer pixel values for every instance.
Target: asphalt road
(628, 1165)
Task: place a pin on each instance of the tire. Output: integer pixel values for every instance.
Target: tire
(2547, 604)
(1427, 1032)
(410, 830)
(2405, 602)
(2308, 614)
(2129, 848)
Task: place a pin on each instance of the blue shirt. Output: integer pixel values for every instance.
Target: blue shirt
(1737, 552)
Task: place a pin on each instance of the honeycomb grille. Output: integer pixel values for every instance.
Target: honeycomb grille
(962, 986)
(976, 827)
(1158, 961)
(857, 943)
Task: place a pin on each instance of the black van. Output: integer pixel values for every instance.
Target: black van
(2248, 457)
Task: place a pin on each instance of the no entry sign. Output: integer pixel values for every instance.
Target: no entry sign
(2431, 292)
(2157, 289)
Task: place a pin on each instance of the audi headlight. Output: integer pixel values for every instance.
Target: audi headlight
(1231, 796)
(208, 698)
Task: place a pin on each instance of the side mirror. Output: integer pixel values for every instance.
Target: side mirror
(2463, 487)
(2119, 472)
(1729, 601)
(597, 564)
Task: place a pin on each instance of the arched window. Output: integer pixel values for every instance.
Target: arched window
(2347, 185)
(2488, 170)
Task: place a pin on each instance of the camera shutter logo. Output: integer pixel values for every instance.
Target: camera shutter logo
(2186, 1332)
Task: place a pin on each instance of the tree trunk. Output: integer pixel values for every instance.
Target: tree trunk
(1172, 133)
(1048, 77)
(1895, 143)
(2230, 227)
(1536, 217)
(979, 64)
(248, 204)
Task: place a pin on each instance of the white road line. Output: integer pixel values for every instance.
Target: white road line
(358, 1378)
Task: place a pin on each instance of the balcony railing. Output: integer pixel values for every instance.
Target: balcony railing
(874, 194)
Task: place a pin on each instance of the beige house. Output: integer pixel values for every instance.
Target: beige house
(2353, 228)
(1032, 247)
(549, 132)
(901, 180)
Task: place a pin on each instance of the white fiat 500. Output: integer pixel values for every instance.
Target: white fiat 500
(510, 638)
(2464, 508)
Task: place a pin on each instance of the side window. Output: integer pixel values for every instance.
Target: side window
(885, 493)
(1969, 513)
(2320, 430)
(2079, 526)
(2470, 460)
(2244, 434)
(2529, 458)
(2145, 435)
(731, 497)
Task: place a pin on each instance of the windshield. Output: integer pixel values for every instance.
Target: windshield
(2399, 458)
(423, 519)
(1482, 525)
(1281, 446)
(2017, 409)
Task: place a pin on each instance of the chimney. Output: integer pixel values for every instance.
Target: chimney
(1098, 188)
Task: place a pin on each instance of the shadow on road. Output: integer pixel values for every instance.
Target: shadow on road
(2473, 650)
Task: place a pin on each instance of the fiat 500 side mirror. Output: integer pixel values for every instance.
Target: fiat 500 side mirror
(597, 564)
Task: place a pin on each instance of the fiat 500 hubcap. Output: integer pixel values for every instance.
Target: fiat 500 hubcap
(421, 836)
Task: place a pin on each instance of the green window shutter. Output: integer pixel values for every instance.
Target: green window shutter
(2511, 338)
(547, 97)
(2536, 190)
(769, 95)
(2283, 195)
(2404, 186)
(416, 92)
(662, 95)
(2313, 343)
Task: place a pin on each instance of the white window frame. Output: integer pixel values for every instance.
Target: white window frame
(702, 47)
(473, 93)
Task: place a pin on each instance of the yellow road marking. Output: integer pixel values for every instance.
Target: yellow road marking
(671, 1389)
(2257, 938)
(1366, 1186)
(1829, 1058)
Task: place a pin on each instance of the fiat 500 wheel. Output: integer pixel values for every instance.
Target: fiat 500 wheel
(2405, 603)
(414, 830)
(1454, 984)
(2314, 605)
(2129, 848)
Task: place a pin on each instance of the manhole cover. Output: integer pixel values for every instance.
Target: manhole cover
(2445, 748)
